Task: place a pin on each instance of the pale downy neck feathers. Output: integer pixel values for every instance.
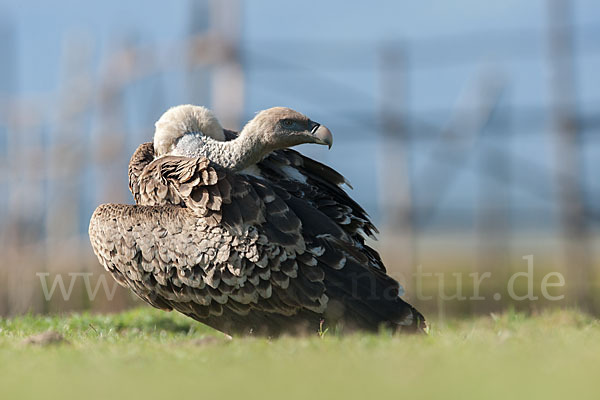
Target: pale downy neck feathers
(235, 155)
(194, 131)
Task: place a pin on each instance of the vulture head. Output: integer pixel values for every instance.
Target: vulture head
(194, 131)
(281, 127)
(181, 120)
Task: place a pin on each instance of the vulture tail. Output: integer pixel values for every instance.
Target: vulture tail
(370, 302)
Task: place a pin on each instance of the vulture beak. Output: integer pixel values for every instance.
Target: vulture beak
(321, 134)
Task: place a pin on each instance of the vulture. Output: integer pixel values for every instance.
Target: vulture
(245, 235)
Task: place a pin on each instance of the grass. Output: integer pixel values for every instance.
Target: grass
(152, 354)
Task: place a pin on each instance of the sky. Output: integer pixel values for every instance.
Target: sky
(324, 58)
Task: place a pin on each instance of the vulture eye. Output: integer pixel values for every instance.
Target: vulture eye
(288, 123)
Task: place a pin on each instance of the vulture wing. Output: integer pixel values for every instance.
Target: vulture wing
(322, 187)
(246, 254)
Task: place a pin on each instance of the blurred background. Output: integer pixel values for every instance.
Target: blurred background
(468, 129)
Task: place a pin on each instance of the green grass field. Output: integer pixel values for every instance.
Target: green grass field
(154, 354)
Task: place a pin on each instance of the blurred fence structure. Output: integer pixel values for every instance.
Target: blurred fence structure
(62, 154)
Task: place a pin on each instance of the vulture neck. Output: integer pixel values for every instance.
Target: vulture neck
(234, 155)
